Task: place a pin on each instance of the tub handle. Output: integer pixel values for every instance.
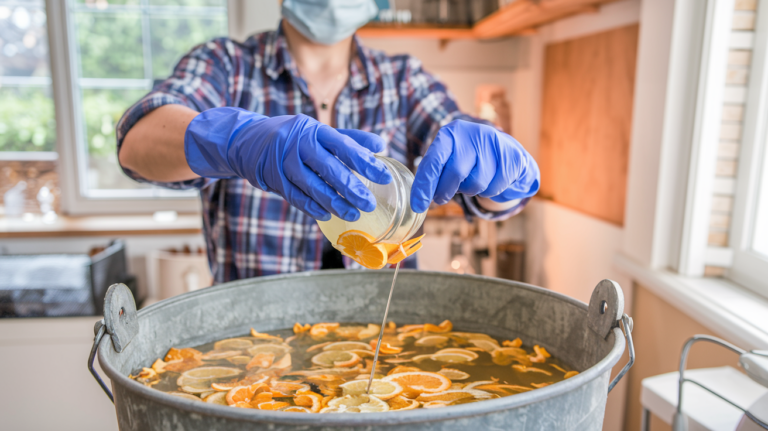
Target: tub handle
(120, 322)
(606, 312)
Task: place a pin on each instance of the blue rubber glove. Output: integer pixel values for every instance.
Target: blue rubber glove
(304, 161)
(473, 159)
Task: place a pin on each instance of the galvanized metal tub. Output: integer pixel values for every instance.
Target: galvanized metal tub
(588, 338)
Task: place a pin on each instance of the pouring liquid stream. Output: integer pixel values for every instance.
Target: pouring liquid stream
(383, 325)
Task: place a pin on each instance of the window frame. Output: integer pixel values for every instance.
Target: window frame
(749, 268)
(75, 198)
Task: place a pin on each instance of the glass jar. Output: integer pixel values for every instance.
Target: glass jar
(392, 221)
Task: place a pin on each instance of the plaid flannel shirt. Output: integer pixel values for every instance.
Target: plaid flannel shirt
(250, 232)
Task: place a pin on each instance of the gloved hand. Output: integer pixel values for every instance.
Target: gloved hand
(473, 159)
(294, 156)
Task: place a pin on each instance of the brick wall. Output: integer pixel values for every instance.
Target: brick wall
(737, 81)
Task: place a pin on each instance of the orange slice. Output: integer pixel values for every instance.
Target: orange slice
(383, 390)
(386, 348)
(261, 360)
(360, 247)
(217, 398)
(272, 405)
(524, 369)
(298, 328)
(454, 395)
(311, 400)
(403, 369)
(296, 409)
(541, 355)
(215, 355)
(356, 404)
(418, 382)
(431, 340)
(175, 354)
(517, 342)
(402, 403)
(261, 336)
(320, 330)
(570, 374)
(395, 251)
(232, 344)
(445, 326)
(502, 389)
(245, 394)
(349, 345)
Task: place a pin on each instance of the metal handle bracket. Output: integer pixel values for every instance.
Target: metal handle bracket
(606, 312)
(120, 322)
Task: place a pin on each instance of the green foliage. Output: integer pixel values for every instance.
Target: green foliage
(103, 109)
(27, 121)
(171, 38)
(110, 45)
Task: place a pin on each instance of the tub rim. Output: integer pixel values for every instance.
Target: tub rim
(383, 418)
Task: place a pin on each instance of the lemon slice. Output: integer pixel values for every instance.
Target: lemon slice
(239, 360)
(451, 358)
(217, 398)
(184, 395)
(431, 340)
(232, 344)
(348, 345)
(358, 404)
(193, 386)
(381, 389)
(276, 349)
(209, 374)
(336, 358)
(295, 409)
(457, 351)
(479, 383)
(371, 331)
(454, 374)
(487, 345)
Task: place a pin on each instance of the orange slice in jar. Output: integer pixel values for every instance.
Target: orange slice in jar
(398, 252)
(360, 247)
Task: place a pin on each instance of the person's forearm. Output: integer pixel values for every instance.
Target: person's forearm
(154, 147)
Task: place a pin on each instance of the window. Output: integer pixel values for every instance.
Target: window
(27, 122)
(118, 49)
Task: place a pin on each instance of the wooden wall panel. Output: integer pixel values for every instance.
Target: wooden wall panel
(586, 122)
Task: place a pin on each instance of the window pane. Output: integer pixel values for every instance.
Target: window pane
(173, 37)
(26, 119)
(760, 241)
(208, 3)
(110, 45)
(104, 4)
(23, 41)
(102, 110)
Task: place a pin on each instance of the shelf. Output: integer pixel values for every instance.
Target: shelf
(519, 17)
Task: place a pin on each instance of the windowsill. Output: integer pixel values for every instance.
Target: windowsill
(726, 308)
(65, 226)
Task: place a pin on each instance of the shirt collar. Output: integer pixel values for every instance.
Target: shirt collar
(277, 59)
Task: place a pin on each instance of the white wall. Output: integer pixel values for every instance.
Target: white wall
(568, 252)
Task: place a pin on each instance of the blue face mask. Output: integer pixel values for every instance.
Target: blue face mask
(328, 21)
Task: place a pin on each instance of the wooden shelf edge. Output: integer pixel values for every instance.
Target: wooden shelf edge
(520, 17)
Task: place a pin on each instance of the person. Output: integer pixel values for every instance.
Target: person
(269, 129)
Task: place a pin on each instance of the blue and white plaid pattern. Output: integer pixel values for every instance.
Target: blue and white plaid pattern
(250, 232)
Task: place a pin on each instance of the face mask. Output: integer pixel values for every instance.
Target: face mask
(328, 21)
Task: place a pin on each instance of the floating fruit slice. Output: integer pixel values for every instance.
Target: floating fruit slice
(298, 328)
(445, 326)
(272, 405)
(347, 345)
(524, 369)
(239, 360)
(210, 374)
(402, 403)
(296, 409)
(371, 331)
(383, 390)
(540, 385)
(363, 353)
(570, 374)
(261, 360)
(436, 404)
(386, 348)
(217, 398)
(480, 383)
(431, 340)
(454, 374)
(455, 395)
(320, 330)
(418, 382)
(502, 389)
(287, 389)
(175, 354)
(395, 254)
(246, 394)
(360, 247)
(541, 355)
(506, 355)
(555, 366)
(402, 369)
(517, 342)
(265, 337)
(283, 363)
(185, 396)
(232, 344)
(486, 345)
(276, 349)
(309, 400)
(336, 358)
(457, 351)
(357, 404)
(215, 355)
(193, 386)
